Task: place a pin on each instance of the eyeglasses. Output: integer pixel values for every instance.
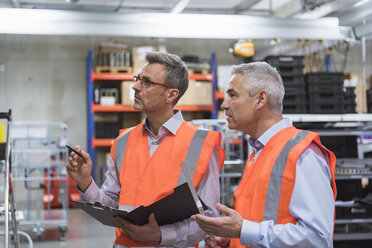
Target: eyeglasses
(145, 82)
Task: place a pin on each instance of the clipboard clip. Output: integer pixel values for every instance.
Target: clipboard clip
(97, 205)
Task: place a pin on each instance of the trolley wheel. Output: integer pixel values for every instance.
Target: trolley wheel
(62, 233)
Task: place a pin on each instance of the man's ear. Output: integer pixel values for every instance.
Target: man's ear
(261, 99)
(172, 95)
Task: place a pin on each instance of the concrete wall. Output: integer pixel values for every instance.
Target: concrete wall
(44, 76)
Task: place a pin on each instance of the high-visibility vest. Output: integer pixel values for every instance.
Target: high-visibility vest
(265, 190)
(145, 180)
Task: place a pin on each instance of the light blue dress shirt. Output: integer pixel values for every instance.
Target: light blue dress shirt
(312, 202)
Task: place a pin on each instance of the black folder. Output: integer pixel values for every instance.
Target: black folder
(175, 207)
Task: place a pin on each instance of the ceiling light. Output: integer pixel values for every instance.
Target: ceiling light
(360, 3)
(180, 6)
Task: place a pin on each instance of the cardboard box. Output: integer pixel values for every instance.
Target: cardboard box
(127, 93)
(106, 117)
(189, 116)
(199, 93)
(139, 55)
(354, 79)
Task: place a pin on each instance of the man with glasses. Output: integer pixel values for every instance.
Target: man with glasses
(145, 162)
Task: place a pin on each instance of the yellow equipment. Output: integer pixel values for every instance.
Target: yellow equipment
(243, 48)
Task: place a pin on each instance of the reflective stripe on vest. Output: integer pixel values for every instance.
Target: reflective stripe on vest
(191, 159)
(119, 156)
(193, 154)
(275, 183)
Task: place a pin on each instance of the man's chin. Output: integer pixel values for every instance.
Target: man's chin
(231, 125)
(137, 106)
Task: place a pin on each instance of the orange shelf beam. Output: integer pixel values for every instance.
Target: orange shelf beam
(201, 77)
(219, 95)
(129, 76)
(111, 76)
(101, 142)
(194, 108)
(122, 108)
(112, 108)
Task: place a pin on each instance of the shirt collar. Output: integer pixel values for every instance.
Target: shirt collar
(171, 125)
(269, 133)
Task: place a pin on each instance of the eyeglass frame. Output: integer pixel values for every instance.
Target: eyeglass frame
(137, 77)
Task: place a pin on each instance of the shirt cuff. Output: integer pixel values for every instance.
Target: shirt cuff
(168, 235)
(250, 233)
(91, 193)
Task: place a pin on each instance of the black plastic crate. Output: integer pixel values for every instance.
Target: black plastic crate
(291, 61)
(327, 97)
(358, 211)
(324, 87)
(344, 146)
(350, 108)
(369, 96)
(294, 88)
(290, 71)
(326, 108)
(106, 130)
(348, 190)
(349, 91)
(297, 97)
(293, 79)
(294, 108)
(350, 98)
(324, 77)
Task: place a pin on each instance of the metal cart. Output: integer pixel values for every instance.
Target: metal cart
(39, 175)
(8, 215)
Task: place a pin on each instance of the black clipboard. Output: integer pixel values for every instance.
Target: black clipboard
(175, 207)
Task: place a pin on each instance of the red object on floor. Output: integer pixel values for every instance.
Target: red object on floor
(52, 197)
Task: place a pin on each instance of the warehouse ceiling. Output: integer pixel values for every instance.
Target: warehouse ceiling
(352, 13)
(349, 11)
(215, 19)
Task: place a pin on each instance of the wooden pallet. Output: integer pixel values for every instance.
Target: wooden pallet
(196, 70)
(113, 69)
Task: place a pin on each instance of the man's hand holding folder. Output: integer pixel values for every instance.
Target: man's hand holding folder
(149, 232)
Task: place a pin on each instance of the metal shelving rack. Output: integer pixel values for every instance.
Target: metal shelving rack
(233, 144)
(39, 165)
(356, 124)
(101, 78)
(347, 124)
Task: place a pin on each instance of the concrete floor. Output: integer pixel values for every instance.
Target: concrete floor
(83, 231)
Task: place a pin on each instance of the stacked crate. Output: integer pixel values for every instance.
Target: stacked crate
(112, 57)
(369, 100)
(325, 92)
(350, 104)
(290, 69)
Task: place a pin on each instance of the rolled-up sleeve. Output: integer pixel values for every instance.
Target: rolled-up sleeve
(108, 194)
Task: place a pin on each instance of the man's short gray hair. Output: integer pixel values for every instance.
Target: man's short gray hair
(262, 76)
(177, 74)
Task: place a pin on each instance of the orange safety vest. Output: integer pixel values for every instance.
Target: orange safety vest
(145, 180)
(265, 190)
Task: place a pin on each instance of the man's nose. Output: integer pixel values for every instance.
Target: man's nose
(136, 85)
(224, 104)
